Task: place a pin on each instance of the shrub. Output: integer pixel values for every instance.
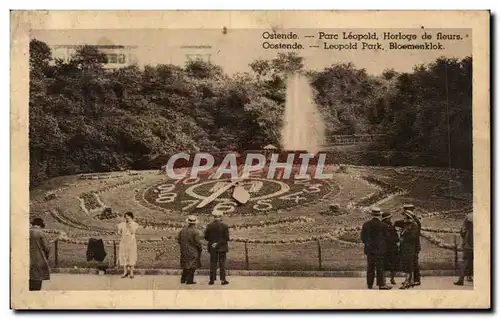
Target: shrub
(107, 213)
(50, 196)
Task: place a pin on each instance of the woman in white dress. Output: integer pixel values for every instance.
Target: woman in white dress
(127, 251)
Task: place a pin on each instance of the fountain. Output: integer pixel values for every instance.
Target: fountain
(303, 126)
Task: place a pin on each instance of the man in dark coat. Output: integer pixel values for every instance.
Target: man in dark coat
(39, 255)
(217, 236)
(391, 260)
(408, 248)
(189, 240)
(467, 265)
(400, 223)
(373, 235)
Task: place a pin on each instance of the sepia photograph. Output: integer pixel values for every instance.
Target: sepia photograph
(253, 157)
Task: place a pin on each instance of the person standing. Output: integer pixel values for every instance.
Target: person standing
(467, 265)
(39, 255)
(217, 236)
(391, 260)
(190, 248)
(127, 250)
(373, 235)
(400, 224)
(416, 264)
(408, 248)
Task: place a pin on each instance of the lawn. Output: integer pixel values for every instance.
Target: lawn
(284, 236)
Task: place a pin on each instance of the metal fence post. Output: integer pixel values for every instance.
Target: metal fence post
(114, 253)
(455, 252)
(56, 253)
(320, 261)
(247, 264)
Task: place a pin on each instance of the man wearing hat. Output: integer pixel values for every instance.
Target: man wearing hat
(467, 264)
(408, 248)
(374, 235)
(217, 236)
(39, 255)
(189, 240)
(400, 223)
(391, 260)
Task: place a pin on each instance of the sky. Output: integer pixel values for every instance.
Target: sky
(235, 49)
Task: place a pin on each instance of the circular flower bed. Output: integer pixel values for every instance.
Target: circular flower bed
(265, 195)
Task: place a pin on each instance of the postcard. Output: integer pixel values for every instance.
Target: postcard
(250, 160)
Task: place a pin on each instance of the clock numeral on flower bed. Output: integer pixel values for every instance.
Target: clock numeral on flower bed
(192, 202)
(225, 206)
(166, 198)
(295, 197)
(311, 188)
(166, 188)
(263, 205)
(314, 188)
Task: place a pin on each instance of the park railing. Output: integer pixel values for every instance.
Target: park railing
(323, 255)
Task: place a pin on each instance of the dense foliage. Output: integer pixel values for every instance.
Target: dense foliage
(84, 118)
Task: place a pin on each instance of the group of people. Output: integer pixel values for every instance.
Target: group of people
(392, 247)
(389, 247)
(189, 240)
(389, 251)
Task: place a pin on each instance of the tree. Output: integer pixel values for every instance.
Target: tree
(346, 97)
(89, 58)
(430, 115)
(39, 57)
(84, 118)
(389, 74)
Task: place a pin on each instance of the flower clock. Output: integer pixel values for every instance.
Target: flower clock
(260, 195)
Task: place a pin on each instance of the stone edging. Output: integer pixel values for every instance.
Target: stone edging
(267, 273)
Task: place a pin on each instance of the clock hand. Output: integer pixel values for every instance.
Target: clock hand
(219, 192)
(241, 194)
